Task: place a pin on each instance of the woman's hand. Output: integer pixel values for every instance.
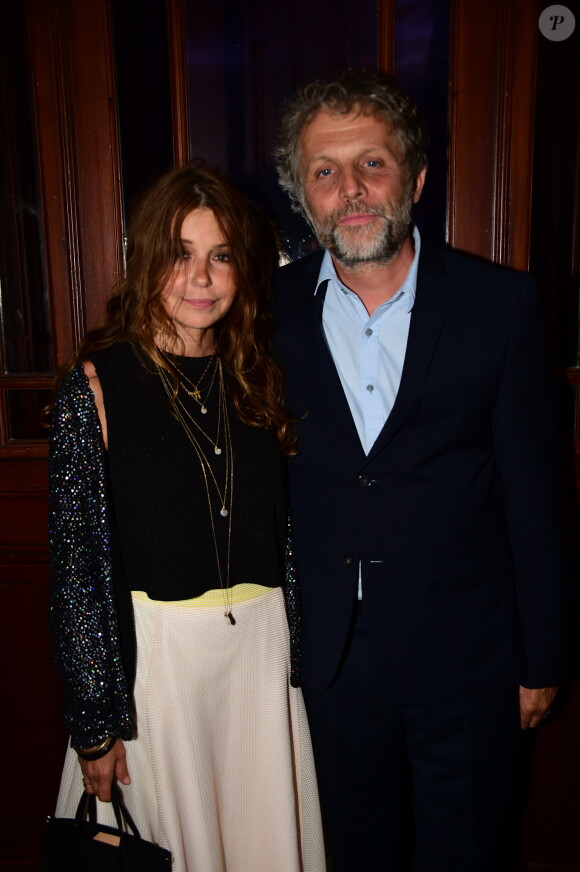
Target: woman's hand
(98, 775)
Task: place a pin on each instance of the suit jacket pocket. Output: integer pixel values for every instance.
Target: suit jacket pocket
(494, 567)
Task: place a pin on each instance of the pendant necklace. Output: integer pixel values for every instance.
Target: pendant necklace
(195, 392)
(225, 493)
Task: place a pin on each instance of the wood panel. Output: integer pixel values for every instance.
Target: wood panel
(550, 831)
(493, 68)
(178, 74)
(75, 103)
(386, 35)
(75, 107)
(95, 180)
(54, 151)
(32, 732)
(492, 75)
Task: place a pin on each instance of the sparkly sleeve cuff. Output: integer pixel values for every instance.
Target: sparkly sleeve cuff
(292, 595)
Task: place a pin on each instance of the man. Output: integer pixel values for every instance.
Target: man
(428, 536)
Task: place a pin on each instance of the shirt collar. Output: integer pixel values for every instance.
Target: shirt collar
(409, 286)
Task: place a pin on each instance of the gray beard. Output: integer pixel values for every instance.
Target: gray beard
(352, 248)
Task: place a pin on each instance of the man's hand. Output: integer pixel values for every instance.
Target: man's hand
(98, 775)
(535, 704)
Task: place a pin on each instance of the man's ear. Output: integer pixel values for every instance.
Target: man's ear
(419, 182)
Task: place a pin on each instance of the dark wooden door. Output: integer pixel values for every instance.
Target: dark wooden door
(60, 249)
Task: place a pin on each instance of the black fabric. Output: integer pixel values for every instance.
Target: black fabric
(455, 515)
(83, 614)
(165, 542)
(75, 844)
(435, 778)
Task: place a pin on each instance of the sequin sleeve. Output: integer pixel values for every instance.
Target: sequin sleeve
(292, 595)
(84, 625)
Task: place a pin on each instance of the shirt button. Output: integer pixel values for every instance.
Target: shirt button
(365, 480)
(347, 560)
(370, 388)
(368, 332)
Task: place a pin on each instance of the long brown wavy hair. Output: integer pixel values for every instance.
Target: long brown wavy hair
(136, 312)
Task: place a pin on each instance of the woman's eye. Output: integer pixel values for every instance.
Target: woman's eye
(223, 258)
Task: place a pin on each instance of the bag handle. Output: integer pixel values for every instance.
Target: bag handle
(87, 807)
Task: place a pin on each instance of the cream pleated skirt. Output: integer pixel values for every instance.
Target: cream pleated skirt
(222, 772)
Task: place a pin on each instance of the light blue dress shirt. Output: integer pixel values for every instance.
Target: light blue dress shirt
(368, 351)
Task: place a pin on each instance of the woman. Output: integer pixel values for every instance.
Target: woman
(168, 530)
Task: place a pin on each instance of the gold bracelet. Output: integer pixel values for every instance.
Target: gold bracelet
(99, 751)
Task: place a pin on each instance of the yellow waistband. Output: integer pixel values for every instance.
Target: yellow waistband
(239, 593)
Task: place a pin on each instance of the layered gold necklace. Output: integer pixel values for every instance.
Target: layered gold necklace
(195, 392)
(218, 493)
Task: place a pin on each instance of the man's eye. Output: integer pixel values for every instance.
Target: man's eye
(372, 163)
(324, 173)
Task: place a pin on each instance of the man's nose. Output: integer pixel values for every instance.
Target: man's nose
(352, 186)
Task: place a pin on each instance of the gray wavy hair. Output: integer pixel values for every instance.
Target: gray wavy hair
(354, 90)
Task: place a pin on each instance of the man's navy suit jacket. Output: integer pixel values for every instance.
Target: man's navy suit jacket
(455, 512)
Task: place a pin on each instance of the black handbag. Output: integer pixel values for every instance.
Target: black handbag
(81, 845)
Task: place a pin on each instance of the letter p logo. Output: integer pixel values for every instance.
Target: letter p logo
(557, 23)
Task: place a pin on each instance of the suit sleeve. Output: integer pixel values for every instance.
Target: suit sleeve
(527, 453)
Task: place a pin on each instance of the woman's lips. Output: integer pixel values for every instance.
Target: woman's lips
(200, 304)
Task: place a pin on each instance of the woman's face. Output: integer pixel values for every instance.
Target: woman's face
(201, 289)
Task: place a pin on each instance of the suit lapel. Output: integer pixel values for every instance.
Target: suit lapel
(432, 301)
(325, 380)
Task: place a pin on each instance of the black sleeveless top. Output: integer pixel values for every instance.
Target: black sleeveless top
(159, 497)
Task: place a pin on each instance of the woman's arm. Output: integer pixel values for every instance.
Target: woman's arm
(84, 623)
(95, 386)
